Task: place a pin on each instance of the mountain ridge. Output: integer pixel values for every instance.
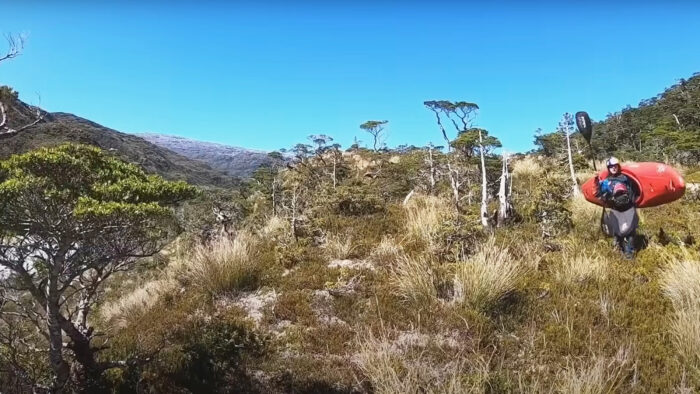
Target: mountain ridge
(56, 128)
(232, 160)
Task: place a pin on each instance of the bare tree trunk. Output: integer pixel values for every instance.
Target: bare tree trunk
(505, 207)
(470, 193)
(432, 169)
(574, 186)
(58, 364)
(484, 212)
(334, 171)
(294, 215)
(274, 198)
(455, 186)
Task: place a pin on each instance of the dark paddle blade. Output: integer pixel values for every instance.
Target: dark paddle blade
(584, 125)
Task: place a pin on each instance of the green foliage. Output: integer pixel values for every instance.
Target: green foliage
(355, 200)
(548, 205)
(663, 128)
(187, 351)
(87, 177)
(468, 143)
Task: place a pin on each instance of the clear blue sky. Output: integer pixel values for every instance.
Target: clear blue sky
(267, 76)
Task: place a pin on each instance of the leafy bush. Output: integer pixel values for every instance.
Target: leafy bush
(355, 200)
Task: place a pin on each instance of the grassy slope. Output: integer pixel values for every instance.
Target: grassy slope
(574, 317)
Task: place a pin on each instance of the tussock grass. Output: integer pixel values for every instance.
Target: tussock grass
(487, 276)
(137, 303)
(581, 267)
(388, 251)
(583, 212)
(384, 366)
(424, 217)
(225, 265)
(680, 282)
(685, 328)
(395, 369)
(596, 376)
(275, 226)
(527, 167)
(414, 280)
(338, 247)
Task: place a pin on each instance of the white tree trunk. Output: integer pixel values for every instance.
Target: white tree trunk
(334, 172)
(432, 169)
(504, 206)
(574, 184)
(484, 212)
(454, 184)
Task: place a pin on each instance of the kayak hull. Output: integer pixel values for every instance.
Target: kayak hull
(655, 184)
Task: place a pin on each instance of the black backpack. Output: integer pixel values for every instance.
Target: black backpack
(622, 200)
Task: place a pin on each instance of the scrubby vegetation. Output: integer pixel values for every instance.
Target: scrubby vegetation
(360, 271)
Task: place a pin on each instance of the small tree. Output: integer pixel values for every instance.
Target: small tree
(505, 206)
(566, 126)
(70, 218)
(468, 141)
(376, 129)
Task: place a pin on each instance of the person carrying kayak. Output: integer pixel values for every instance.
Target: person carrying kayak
(617, 193)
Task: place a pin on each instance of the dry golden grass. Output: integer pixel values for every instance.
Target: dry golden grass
(685, 328)
(388, 251)
(136, 304)
(384, 365)
(392, 369)
(583, 212)
(527, 167)
(275, 226)
(581, 267)
(680, 282)
(424, 217)
(596, 376)
(487, 276)
(223, 266)
(338, 247)
(414, 280)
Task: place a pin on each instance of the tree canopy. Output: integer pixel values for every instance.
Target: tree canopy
(70, 217)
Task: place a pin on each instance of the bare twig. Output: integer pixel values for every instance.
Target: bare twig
(15, 45)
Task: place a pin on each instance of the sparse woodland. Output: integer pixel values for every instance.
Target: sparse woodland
(436, 269)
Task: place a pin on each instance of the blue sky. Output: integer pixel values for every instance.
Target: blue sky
(267, 76)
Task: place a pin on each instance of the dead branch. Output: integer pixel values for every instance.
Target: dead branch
(15, 45)
(5, 129)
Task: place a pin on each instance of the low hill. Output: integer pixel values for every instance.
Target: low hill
(57, 128)
(665, 127)
(232, 160)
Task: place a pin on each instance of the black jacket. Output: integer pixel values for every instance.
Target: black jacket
(613, 201)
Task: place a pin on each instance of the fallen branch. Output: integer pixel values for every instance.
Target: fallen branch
(5, 129)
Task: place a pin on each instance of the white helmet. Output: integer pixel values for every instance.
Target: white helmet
(612, 162)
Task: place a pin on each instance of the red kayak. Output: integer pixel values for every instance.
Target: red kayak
(654, 183)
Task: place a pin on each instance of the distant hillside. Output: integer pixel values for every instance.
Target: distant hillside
(663, 128)
(235, 161)
(58, 127)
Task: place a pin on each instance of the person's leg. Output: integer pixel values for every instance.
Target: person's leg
(617, 242)
(629, 246)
